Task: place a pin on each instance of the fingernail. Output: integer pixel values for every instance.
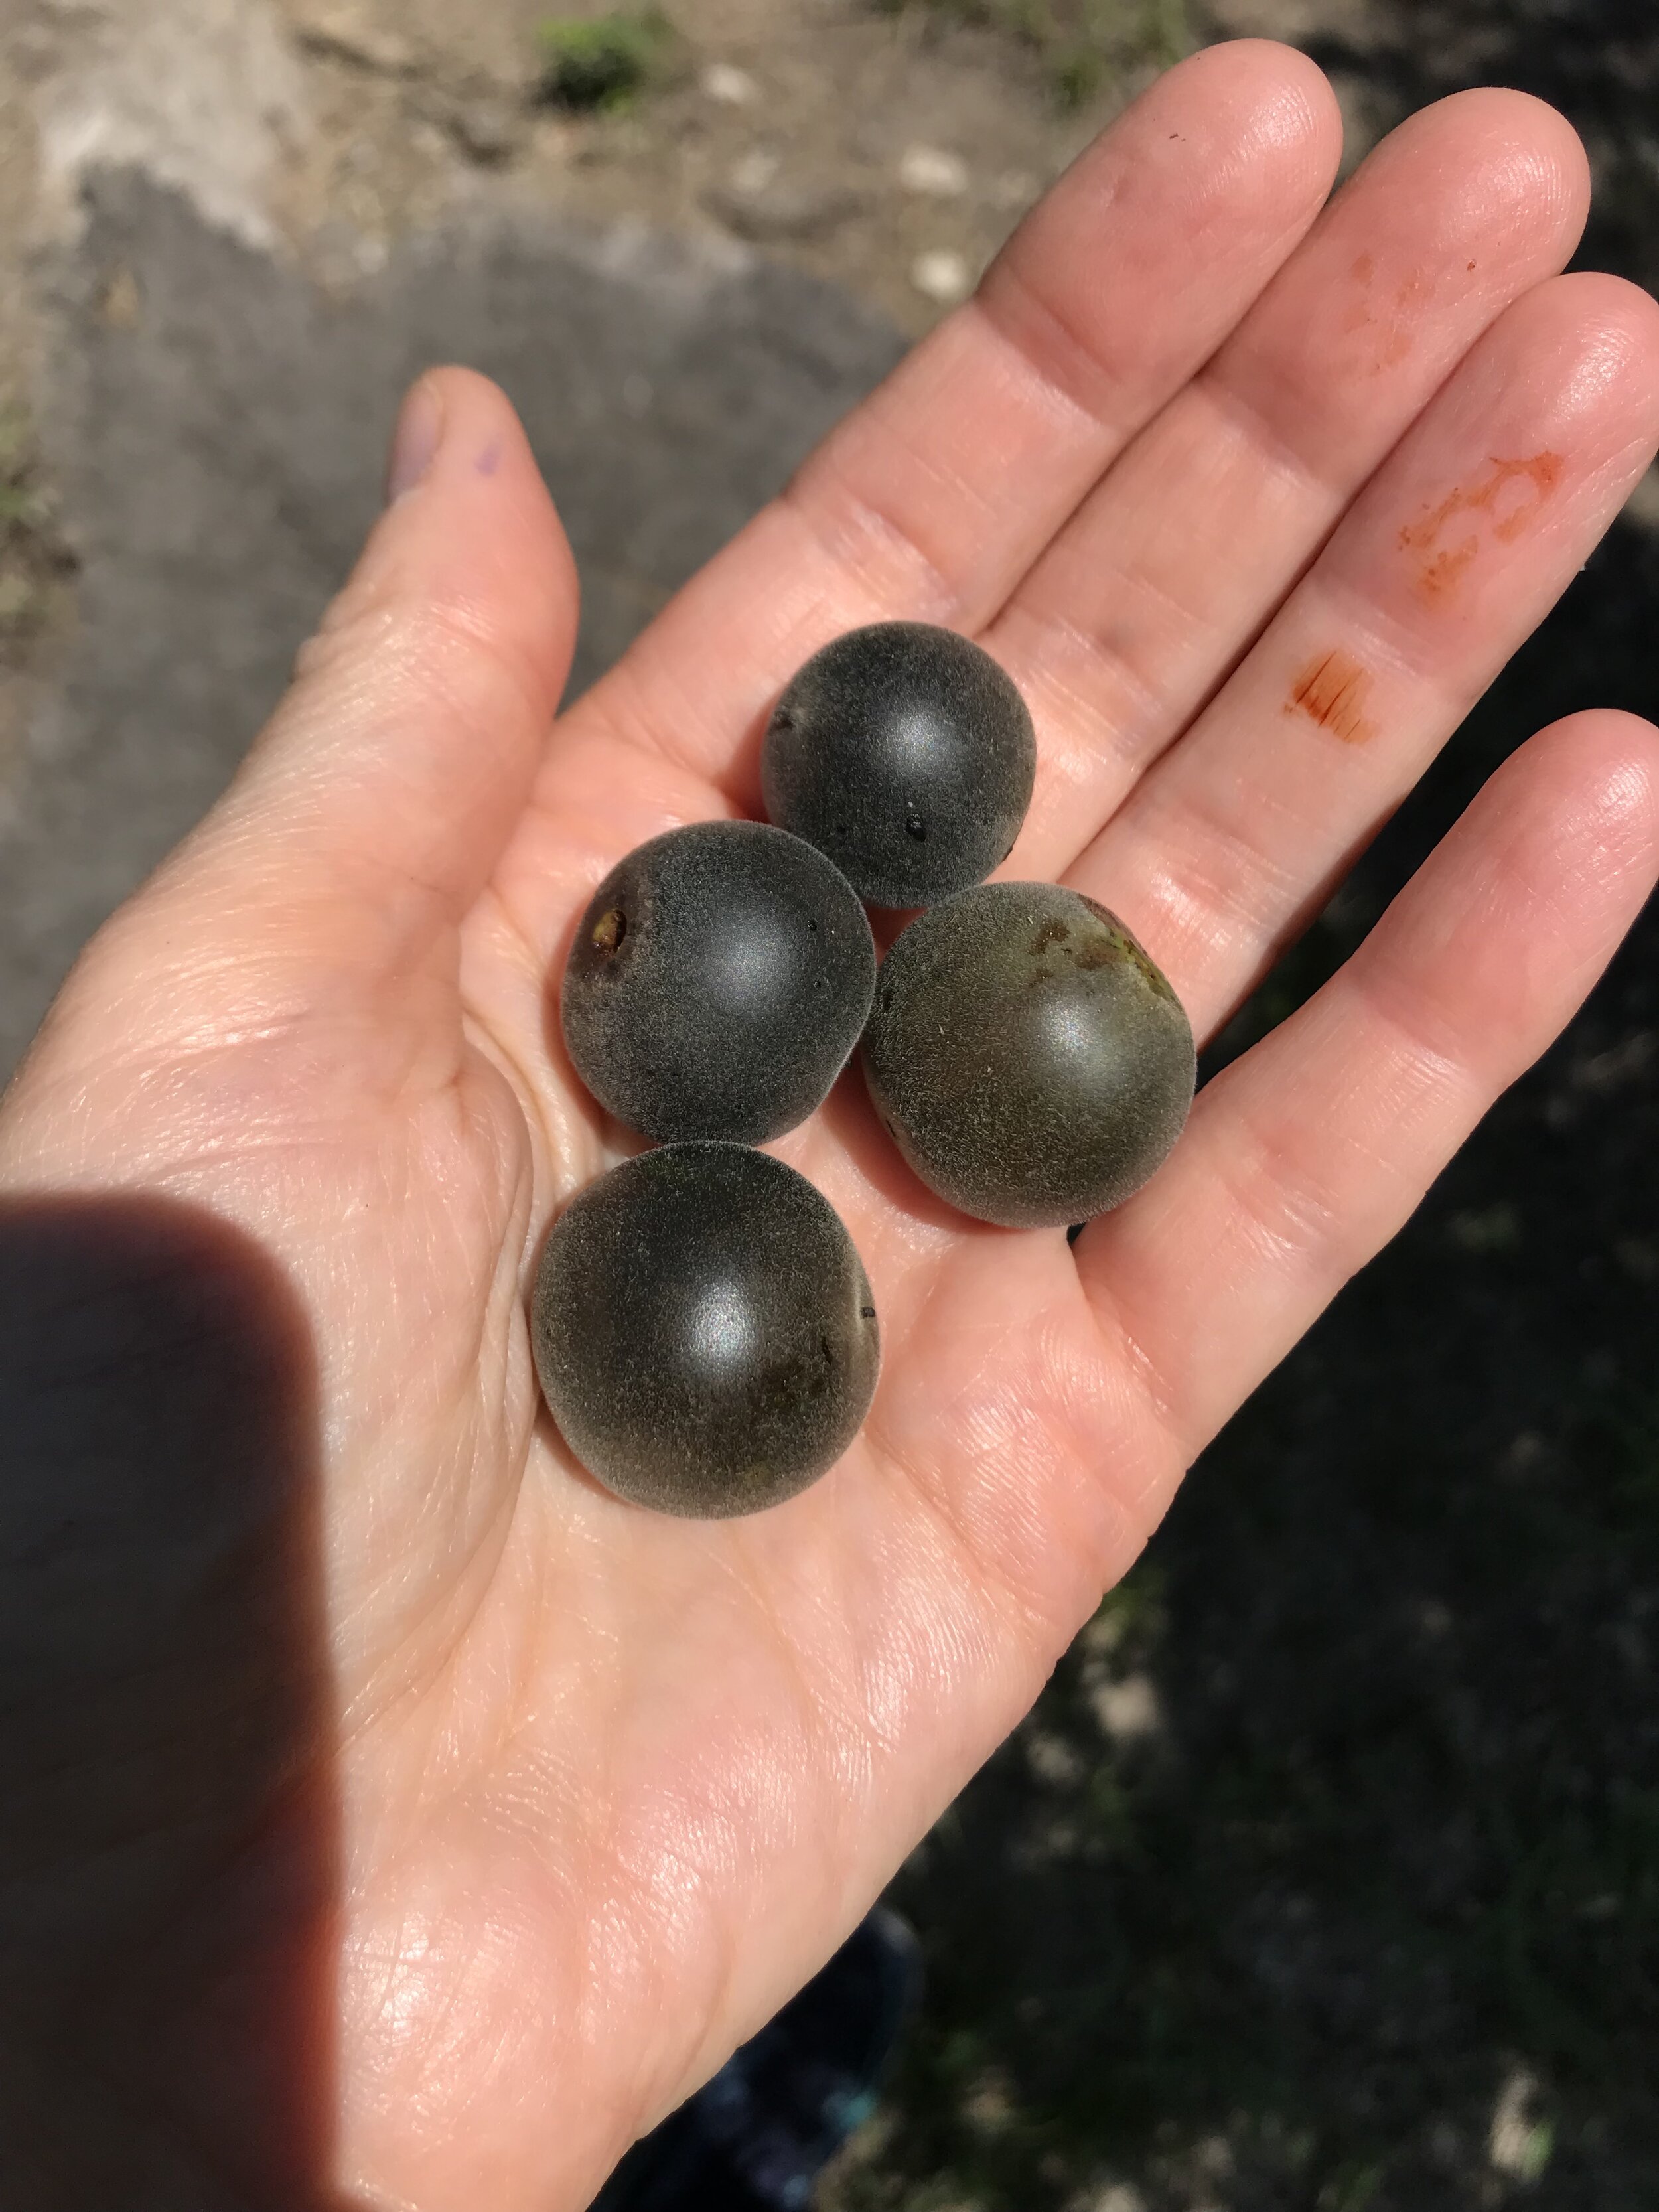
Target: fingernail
(415, 440)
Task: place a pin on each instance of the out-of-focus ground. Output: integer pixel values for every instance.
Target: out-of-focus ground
(1325, 1877)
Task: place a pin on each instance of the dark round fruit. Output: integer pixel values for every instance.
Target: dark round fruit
(718, 983)
(704, 1334)
(1032, 1065)
(907, 755)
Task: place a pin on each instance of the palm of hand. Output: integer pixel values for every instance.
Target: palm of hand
(610, 1785)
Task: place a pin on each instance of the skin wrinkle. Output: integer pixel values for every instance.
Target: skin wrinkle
(989, 1562)
(622, 708)
(1280, 1211)
(416, 657)
(1102, 1429)
(377, 1699)
(1238, 890)
(1043, 339)
(439, 635)
(1623, 342)
(1094, 728)
(924, 1489)
(1035, 664)
(1218, 178)
(1274, 448)
(414, 644)
(1157, 1398)
(838, 527)
(1016, 391)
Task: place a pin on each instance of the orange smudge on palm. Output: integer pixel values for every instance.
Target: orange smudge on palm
(1365, 268)
(1512, 494)
(1331, 691)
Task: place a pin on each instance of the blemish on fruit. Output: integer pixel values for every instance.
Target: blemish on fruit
(1122, 945)
(1030, 1091)
(1512, 494)
(610, 930)
(1364, 268)
(1331, 691)
(1053, 932)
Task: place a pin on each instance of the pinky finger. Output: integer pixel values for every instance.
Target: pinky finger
(1302, 1158)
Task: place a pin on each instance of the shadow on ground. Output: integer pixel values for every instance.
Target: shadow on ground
(1325, 1878)
(216, 426)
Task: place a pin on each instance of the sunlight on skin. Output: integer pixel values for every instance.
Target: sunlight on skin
(613, 1785)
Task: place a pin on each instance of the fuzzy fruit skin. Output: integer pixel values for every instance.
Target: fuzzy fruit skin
(907, 755)
(717, 983)
(1030, 1062)
(703, 1331)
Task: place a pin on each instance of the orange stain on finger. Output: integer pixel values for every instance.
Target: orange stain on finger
(1512, 494)
(1395, 320)
(1332, 690)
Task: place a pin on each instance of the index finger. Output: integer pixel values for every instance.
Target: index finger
(935, 496)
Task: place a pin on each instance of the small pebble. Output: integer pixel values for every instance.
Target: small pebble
(121, 305)
(487, 130)
(754, 171)
(343, 33)
(933, 173)
(1015, 188)
(759, 202)
(941, 274)
(732, 88)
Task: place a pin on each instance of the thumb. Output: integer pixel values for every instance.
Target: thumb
(371, 811)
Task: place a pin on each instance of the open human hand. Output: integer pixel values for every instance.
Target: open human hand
(1253, 501)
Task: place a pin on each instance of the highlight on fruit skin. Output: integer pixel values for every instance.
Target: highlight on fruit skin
(703, 1330)
(717, 983)
(905, 753)
(1027, 1056)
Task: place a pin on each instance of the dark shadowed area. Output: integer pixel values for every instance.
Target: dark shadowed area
(219, 458)
(168, 1828)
